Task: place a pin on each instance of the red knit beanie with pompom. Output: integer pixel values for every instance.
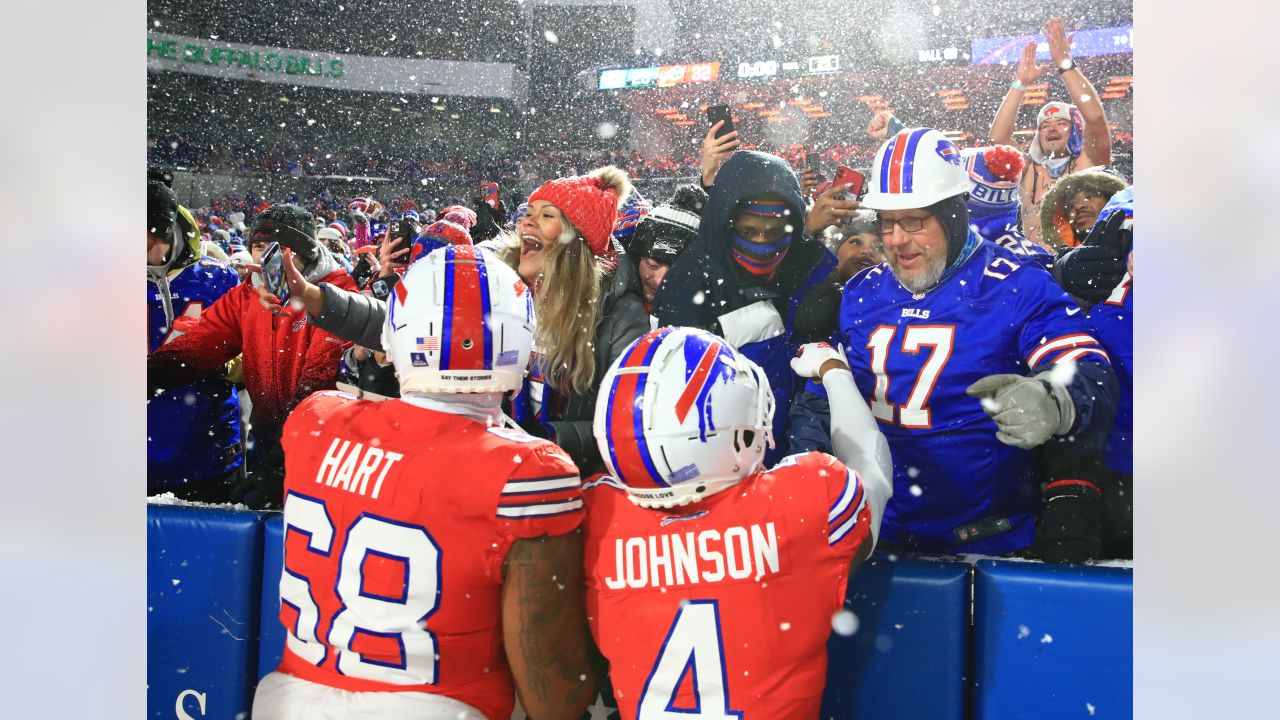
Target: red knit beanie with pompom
(590, 202)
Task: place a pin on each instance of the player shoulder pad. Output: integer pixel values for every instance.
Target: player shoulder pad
(513, 434)
(810, 459)
(606, 481)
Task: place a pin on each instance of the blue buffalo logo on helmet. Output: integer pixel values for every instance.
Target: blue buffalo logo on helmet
(681, 415)
(948, 151)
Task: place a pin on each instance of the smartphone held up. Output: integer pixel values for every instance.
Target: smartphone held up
(717, 113)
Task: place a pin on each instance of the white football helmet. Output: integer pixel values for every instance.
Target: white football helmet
(915, 169)
(459, 321)
(682, 415)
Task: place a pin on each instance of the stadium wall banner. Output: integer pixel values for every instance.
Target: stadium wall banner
(235, 61)
(1091, 42)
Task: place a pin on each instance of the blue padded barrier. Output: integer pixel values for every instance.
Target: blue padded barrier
(203, 597)
(271, 639)
(909, 655)
(1052, 641)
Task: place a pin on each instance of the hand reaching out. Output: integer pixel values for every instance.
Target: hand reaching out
(303, 290)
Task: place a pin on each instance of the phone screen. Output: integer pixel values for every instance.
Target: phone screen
(273, 273)
(715, 114)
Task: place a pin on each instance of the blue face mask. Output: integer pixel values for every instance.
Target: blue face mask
(760, 259)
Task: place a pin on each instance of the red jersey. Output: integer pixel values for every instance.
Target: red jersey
(397, 523)
(725, 607)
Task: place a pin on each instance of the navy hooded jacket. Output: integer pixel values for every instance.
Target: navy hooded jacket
(767, 322)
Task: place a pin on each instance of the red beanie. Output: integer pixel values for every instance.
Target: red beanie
(450, 232)
(589, 201)
(464, 216)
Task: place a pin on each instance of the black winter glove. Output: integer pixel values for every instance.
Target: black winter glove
(488, 221)
(262, 489)
(263, 486)
(1070, 530)
(1092, 270)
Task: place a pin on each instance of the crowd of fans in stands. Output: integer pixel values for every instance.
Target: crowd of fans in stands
(998, 250)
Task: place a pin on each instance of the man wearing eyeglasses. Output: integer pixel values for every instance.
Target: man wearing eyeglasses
(983, 373)
(752, 276)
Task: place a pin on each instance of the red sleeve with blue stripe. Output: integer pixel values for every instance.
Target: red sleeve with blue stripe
(848, 514)
(543, 496)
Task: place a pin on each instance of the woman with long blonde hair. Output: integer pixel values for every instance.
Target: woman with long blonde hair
(586, 303)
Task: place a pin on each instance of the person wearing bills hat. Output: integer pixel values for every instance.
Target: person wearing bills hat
(1069, 137)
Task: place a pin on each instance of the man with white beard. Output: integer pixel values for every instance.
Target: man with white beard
(971, 359)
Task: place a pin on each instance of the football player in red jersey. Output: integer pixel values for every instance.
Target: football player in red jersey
(432, 556)
(712, 582)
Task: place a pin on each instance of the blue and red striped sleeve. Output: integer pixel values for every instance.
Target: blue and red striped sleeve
(543, 496)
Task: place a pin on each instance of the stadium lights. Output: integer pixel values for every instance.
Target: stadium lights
(753, 106)
(820, 115)
(495, 109)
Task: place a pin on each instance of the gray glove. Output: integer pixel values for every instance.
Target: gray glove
(1027, 410)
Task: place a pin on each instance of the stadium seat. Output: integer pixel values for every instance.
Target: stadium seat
(1052, 641)
(271, 639)
(908, 656)
(203, 596)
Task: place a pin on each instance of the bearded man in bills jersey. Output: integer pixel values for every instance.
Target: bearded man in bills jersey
(432, 557)
(985, 377)
(711, 581)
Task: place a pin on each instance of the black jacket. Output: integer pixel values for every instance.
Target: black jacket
(767, 322)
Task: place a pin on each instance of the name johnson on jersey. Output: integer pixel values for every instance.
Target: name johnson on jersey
(690, 558)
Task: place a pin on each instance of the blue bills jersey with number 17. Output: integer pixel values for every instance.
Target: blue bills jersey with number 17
(956, 488)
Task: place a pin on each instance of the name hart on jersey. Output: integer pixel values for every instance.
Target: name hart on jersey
(691, 558)
(350, 466)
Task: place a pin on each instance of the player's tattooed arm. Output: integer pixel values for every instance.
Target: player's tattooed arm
(545, 626)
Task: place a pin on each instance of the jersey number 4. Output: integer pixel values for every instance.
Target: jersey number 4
(693, 646)
(365, 618)
(915, 412)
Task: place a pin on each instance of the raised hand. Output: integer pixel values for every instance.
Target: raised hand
(1059, 42)
(1028, 70)
(830, 208)
(878, 128)
(714, 152)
